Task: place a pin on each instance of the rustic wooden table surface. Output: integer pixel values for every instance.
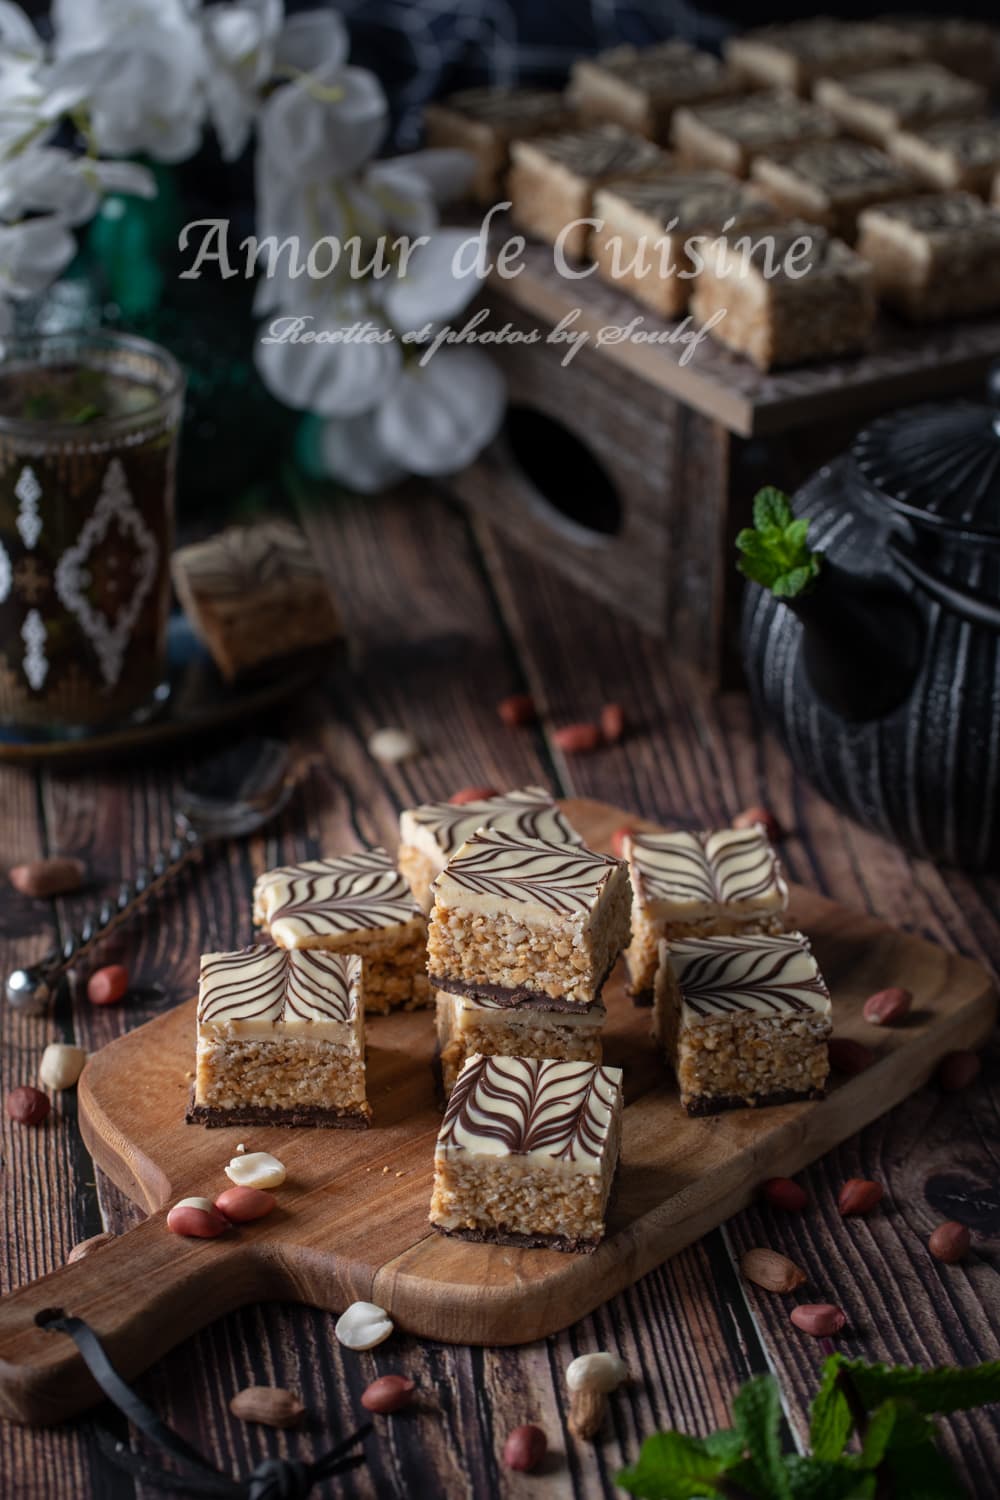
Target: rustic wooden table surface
(447, 619)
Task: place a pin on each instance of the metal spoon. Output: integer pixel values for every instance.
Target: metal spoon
(229, 797)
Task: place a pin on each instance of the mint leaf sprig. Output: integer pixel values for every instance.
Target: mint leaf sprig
(887, 1407)
(775, 550)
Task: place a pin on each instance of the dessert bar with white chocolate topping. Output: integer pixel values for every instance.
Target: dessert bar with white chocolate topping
(431, 834)
(253, 593)
(484, 121)
(795, 293)
(935, 256)
(281, 1039)
(354, 903)
(640, 89)
(794, 54)
(728, 135)
(527, 1152)
(875, 105)
(552, 181)
(956, 155)
(647, 230)
(702, 884)
(467, 1026)
(829, 183)
(524, 921)
(743, 1020)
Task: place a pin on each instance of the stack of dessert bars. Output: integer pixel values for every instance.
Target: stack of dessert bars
(526, 924)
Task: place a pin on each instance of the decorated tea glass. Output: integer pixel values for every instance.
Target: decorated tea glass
(88, 442)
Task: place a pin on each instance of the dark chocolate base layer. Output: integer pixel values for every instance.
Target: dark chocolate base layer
(714, 1104)
(303, 1114)
(525, 1241)
(519, 998)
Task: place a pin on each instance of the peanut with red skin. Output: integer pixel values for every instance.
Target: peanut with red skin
(848, 1056)
(387, 1394)
(525, 1447)
(242, 1205)
(517, 710)
(108, 985)
(859, 1196)
(782, 1192)
(197, 1218)
(617, 841)
(472, 794)
(958, 1070)
(821, 1319)
(577, 739)
(612, 723)
(269, 1405)
(886, 1007)
(950, 1242)
(752, 817)
(27, 1105)
(56, 876)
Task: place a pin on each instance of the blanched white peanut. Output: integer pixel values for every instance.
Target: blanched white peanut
(392, 745)
(61, 1065)
(258, 1169)
(363, 1326)
(595, 1372)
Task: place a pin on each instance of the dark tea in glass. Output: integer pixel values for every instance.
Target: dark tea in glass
(88, 442)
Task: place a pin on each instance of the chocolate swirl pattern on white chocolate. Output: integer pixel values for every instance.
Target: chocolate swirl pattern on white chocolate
(524, 1106)
(562, 878)
(670, 68)
(841, 164)
(331, 897)
(244, 559)
(501, 106)
(271, 986)
(601, 151)
(528, 812)
(732, 867)
(974, 142)
(917, 92)
(950, 213)
(775, 976)
(766, 118)
(695, 200)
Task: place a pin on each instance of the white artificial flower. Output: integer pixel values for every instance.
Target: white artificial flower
(437, 417)
(437, 284)
(349, 448)
(310, 41)
(137, 68)
(32, 255)
(340, 376)
(48, 179)
(241, 41)
(22, 58)
(409, 189)
(324, 124)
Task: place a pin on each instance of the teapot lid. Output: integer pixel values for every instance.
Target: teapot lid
(938, 465)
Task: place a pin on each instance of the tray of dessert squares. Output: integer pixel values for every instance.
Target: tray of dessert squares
(550, 1068)
(874, 139)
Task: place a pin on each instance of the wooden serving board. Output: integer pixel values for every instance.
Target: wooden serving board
(352, 1217)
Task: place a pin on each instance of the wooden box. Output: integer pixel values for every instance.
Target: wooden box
(631, 472)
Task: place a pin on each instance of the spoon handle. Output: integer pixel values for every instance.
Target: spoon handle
(30, 990)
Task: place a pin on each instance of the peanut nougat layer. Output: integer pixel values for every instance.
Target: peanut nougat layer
(466, 1027)
(521, 920)
(743, 1020)
(292, 1075)
(699, 885)
(527, 1152)
(354, 903)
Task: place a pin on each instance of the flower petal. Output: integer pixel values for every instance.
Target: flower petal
(333, 379)
(438, 417)
(446, 172)
(348, 449)
(325, 124)
(432, 290)
(32, 255)
(312, 41)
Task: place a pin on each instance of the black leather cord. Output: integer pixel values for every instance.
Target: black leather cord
(274, 1479)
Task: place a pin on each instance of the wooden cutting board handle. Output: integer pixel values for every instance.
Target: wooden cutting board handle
(142, 1293)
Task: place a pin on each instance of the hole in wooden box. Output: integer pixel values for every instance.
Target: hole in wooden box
(565, 474)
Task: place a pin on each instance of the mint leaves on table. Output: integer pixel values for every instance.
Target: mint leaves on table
(887, 1408)
(774, 550)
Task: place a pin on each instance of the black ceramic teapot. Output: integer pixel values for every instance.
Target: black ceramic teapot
(883, 680)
